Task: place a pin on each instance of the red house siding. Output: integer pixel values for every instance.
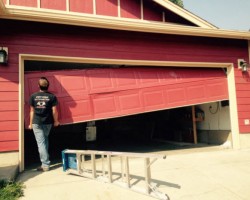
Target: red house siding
(152, 11)
(8, 110)
(10, 145)
(131, 9)
(107, 7)
(55, 4)
(28, 3)
(243, 99)
(82, 6)
(128, 8)
(62, 40)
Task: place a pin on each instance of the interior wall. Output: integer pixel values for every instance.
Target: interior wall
(217, 117)
(216, 127)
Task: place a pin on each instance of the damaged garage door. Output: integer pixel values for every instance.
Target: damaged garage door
(91, 94)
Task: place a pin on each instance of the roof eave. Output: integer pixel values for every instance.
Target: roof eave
(60, 17)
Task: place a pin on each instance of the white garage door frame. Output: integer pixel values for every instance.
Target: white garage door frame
(230, 79)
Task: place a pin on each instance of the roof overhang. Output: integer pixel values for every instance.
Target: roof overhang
(70, 18)
(185, 14)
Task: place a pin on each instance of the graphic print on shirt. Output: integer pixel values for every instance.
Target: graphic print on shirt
(41, 101)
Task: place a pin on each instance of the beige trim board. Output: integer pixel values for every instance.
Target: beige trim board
(229, 66)
(185, 14)
(71, 18)
(124, 61)
(21, 113)
(233, 108)
(38, 3)
(2, 7)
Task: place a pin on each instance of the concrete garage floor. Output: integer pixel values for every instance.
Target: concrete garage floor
(32, 157)
(209, 173)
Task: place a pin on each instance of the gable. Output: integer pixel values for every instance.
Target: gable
(183, 13)
(143, 10)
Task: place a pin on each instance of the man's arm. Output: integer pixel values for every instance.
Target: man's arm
(31, 116)
(55, 116)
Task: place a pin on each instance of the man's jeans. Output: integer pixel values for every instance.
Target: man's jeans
(41, 133)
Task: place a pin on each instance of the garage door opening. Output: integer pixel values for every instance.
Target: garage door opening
(160, 131)
(155, 126)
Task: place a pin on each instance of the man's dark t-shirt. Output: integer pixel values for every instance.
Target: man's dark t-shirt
(43, 103)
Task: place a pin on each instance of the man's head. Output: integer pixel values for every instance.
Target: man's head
(43, 83)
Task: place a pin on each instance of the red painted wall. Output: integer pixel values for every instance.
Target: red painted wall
(128, 8)
(28, 3)
(152, 11)
(62, 40)
(82, 6)
(243, 99)
(107, 7)
(8, 109)
(55, 4)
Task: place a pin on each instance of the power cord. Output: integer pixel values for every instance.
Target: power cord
(216, 110)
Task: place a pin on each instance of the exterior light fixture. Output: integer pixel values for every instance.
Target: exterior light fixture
(243, 65)
(4, 56)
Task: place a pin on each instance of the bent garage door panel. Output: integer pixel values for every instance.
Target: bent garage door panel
(91, 94)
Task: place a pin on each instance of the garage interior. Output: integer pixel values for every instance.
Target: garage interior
(157, 131)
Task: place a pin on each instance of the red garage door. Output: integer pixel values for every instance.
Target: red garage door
(92, 94)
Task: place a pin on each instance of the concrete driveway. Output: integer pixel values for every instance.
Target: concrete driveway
(198, 174)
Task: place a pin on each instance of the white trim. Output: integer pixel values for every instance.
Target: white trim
(94, 7)
(233, 107)
(142, 10)
(7, 2)
(119, 8)
(71, 18)
(21, 113)
(38, 3)
(229, 66)
(123, 61)
(67, 5)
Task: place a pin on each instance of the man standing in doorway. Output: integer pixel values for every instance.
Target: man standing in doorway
(43, 115)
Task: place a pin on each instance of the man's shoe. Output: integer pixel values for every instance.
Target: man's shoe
(42, 169)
